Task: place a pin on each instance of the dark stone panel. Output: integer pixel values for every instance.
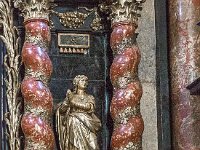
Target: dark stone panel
(162, 83)
(3, 99)
(59, 88)
(69, 67)
(54, 50)
(98, 45)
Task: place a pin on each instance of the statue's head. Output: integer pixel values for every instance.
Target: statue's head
(80, 82)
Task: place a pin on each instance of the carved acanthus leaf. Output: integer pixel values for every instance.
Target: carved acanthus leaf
(123, 10)
(33, 8)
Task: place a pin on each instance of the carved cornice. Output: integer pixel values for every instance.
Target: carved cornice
(33, 9)
(123, 10)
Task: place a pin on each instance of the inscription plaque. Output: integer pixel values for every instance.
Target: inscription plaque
(73, 43)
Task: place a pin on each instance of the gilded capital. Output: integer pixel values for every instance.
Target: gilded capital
(124, 10)
(33, 9)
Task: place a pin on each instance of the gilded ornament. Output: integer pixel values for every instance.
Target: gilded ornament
(10, 37)
(125, 114)
(32, 9)
(77, 125)
(123, 10)
(74, 43)
(97, 22)
(40, 75)
(37, 40)
(76, 19)
(72, 19)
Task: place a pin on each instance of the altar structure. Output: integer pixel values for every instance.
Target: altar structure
(139, 58)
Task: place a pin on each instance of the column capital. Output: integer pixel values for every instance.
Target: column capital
(33, 9)
(123, 10)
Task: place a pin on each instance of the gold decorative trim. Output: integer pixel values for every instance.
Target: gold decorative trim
(76, 19)
(132, 146)
(97, 22)
(10, 37)
(124, 116)
(123, 10)
(33, 9)
(73, 50)
(72, 19)
(37, 40)
(73, 43)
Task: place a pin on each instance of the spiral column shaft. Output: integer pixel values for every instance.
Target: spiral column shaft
(38, 101)
(127, 89)
(125, 105)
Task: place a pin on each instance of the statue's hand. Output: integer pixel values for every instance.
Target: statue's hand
(69, 94)
(58, 105)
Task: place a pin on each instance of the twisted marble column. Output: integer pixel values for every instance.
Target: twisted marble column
(125, 105)
(38, 101)
(184, 69)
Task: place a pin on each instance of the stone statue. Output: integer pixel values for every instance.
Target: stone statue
(77, 125)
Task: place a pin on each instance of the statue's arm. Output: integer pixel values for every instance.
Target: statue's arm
(64, 106)
(86, 106)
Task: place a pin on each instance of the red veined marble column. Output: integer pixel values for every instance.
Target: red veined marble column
(38, 101)
(127, 89)
(184, 50)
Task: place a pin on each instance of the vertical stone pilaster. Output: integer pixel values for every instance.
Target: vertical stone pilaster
(184, 45)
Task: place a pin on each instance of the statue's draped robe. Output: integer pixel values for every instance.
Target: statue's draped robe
(77, 128)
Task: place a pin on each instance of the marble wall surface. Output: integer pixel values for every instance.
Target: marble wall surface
(184, 43)
(147, 73)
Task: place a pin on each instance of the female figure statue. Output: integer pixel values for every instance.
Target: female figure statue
(77, 125)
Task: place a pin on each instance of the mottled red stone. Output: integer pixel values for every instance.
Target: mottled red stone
(131, 132)
(125, 62)
(127, 87)
(35, 58)
(184, 45)
(37, 97)
(196, 2)
(126, 97)
(120, 32)
(37, 130)
(36, 94)
(38, 27)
